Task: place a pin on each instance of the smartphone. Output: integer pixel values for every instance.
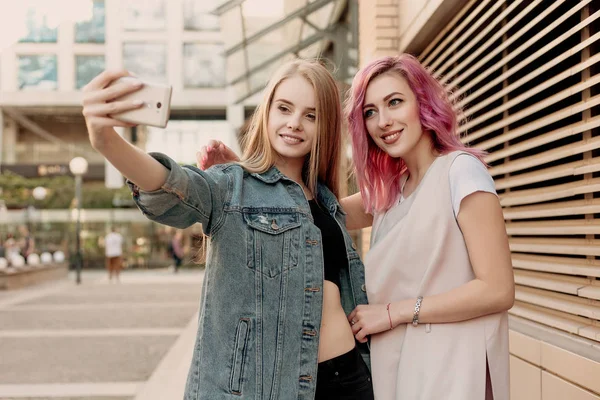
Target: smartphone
(156, 108)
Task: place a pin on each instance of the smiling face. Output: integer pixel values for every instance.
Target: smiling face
(391, 114)
(292, 124)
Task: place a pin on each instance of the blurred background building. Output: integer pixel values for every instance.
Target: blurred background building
(48, 52)
(526, 73)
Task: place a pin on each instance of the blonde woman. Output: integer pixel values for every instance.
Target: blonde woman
(281, 275)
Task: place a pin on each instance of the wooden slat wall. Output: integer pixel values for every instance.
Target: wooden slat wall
(526, 74)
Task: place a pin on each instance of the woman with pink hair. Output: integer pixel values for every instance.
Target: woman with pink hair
(438, 274)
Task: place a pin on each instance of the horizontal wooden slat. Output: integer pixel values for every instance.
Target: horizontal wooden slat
(568, 169)
(591, 291)
(559, 265)
(496, 25)
(514, 53)
(561, 302)
(590, 332)
(550, 193)
(556, 261)
(582, 247)
(466, 35)
(577, 227)
(556, 319)
(540, 140)
(454, 34)
(575, 207)
(491, 97)
(526, 112)
(530, 93)
(553, 282)
(577, 108)
(559, 320)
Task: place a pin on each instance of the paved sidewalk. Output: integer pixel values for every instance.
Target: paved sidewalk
(99, 340)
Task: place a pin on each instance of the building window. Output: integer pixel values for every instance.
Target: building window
(87, 68)
(203, 65)
(92, 30)
(37, 26)
(38, 72)
(147, 60)
(197, 16)
(144, 15)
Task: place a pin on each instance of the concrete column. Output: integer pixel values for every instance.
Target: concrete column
(65, 57)
(1, 139)
(9, 141)
(114, 44)
(174, 43)
(8, 69)
(235, 117)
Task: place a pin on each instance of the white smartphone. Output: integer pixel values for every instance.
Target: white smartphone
(156, 108)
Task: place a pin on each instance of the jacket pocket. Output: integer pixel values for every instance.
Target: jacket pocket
(272, 242)
(239, 356)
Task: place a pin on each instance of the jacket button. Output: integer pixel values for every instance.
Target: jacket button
(274, 225)
(363, 288)
(353, 246)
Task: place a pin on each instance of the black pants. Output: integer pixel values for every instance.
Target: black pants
(178, 262)
(345, 377)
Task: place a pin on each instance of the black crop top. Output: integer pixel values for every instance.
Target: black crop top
(334, 248)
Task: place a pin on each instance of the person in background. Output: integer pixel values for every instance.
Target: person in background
(26, 243)
(113, 248)
(176, 250)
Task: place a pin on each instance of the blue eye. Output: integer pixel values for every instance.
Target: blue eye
(395, 102)
(368, 113)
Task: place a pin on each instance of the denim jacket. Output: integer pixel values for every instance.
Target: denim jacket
(261, 303)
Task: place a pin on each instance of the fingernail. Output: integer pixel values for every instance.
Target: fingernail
(136, 83)
(137, 102)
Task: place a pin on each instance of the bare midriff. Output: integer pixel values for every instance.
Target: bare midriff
(336, 336)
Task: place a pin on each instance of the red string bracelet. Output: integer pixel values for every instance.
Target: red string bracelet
(389, 316)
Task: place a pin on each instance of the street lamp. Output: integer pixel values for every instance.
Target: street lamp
(78, 167)
(38, 193)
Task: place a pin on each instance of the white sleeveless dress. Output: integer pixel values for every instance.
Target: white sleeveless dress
(417, 249)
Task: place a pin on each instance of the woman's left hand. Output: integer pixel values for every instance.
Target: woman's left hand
(368, 319)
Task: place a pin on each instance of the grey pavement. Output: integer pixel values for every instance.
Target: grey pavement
(131, 340)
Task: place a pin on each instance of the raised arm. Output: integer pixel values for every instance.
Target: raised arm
(356, 218)
(99, 103)
(491, 291)
(163, 190)
(214, 153)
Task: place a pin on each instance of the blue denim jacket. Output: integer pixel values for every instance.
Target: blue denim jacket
(260, 309)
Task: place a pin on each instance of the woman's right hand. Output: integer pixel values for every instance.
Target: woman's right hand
(214, 153)
(100, 101)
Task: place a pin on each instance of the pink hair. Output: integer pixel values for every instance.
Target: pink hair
(378, 174)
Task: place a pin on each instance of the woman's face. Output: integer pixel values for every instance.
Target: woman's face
(292, 125)
(391, 114)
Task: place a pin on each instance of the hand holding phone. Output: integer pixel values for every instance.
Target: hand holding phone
(155, 100)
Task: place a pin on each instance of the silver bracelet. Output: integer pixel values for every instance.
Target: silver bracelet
(415, 320)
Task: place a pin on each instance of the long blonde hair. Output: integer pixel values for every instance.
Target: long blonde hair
(323, 162)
